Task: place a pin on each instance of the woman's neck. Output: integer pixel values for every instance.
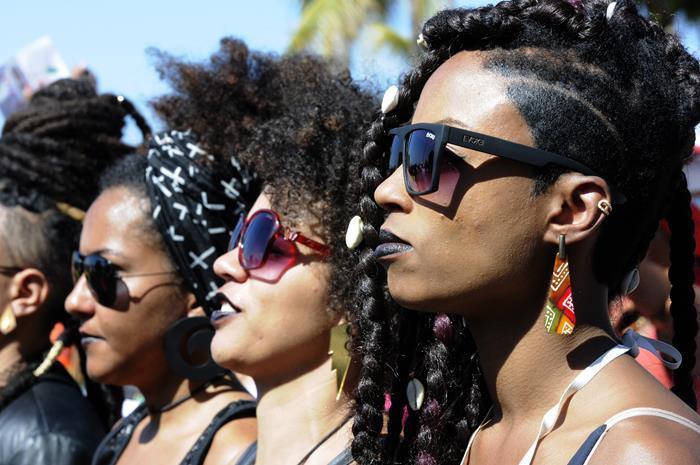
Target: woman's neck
(294, 416)
(166, 389)
(526, 369)
(10, 361)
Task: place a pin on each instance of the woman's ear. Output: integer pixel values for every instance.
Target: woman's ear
(28, 291)
(576, 210)
(193, 307)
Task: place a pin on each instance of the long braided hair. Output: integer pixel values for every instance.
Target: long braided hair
(51, 155)
(603, 86)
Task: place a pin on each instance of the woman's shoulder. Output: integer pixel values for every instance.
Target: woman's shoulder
(231, 440)
(644, 435)
(633, 419)
(231, 431)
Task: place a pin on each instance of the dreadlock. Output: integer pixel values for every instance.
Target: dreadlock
(51, 156)
(618, 95)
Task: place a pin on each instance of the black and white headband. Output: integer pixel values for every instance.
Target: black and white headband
(196, 204)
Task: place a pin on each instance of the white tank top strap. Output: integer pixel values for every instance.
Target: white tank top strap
(550, 418)
(631, 342)
(641, 412)
(651, 412)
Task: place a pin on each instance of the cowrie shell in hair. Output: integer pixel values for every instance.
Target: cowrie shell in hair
(610, 11)
(390, 100)
(422, 42)
(630, 282)
(353, 236)
(415, 393)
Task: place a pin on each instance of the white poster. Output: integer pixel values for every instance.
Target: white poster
(34, 66)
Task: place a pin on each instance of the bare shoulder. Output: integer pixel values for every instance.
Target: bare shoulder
(233, 437)
(648, 440)
(231, 440)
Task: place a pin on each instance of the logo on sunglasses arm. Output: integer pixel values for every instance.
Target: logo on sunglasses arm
(474, 141)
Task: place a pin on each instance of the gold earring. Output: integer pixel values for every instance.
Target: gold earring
(340, 357)
(605, 207)
(8, 322)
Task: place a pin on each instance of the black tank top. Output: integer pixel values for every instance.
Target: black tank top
(112, 447)
(248, 457)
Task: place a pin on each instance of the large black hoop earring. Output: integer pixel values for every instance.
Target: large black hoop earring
(187, 349)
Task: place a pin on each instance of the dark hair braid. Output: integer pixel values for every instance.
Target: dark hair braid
(375, 309)
(427, 447)
(617, 70)
(57, 144)
(682, 276)
(406, 337)
(51, 154)
(371, 333)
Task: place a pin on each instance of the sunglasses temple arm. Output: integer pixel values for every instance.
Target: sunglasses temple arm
(312, 244)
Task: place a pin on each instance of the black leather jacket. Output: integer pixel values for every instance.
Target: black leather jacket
(50, 424)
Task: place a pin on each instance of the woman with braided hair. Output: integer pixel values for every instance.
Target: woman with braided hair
(511, 187)
(51, 155)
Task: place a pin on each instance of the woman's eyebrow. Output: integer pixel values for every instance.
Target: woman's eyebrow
(106, 251)
(449, 121)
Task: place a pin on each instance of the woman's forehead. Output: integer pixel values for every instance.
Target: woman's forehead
(461, 89)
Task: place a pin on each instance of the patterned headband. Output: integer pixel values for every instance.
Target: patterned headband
(195, 206)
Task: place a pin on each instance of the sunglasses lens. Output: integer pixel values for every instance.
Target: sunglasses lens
(236, 233)
(395, 153)
(76, 266)
(261, 228)
(280, 257)
(101, 279)
(421, 155)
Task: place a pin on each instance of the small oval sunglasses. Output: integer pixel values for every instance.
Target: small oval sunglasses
(102, 276)
(266, 249)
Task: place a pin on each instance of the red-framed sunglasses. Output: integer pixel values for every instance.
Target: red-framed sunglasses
(266, 249)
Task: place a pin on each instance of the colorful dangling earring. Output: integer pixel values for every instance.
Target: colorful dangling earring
(340, 357)
(559, 316)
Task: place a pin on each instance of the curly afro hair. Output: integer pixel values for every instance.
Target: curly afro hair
(295, 119)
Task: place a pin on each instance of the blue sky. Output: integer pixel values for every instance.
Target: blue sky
(112, 37)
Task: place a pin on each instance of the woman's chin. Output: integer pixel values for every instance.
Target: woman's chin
(411, 301)
(407, 295)
(224, 356)
(102, 376)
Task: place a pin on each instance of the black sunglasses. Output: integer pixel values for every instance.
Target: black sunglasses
(101, 276)
(420, 148)
(10, 270)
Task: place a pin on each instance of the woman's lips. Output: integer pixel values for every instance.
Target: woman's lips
(390, 245)
(227, 309)
(87, 339)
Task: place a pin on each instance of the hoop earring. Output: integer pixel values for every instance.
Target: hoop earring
(8, 322)
(186, 338)
(559, 316)
(340, 357)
